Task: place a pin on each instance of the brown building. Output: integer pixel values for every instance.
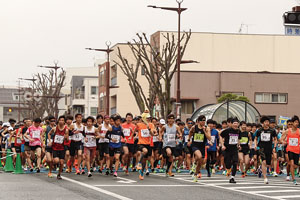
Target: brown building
(273, 94)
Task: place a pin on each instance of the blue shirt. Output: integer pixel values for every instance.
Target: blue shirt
(116, 134)
(214, 137)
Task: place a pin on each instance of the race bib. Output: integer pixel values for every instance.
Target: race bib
(171, 137)
(265, 137)
(155, 139)
(126, 132)
(19, 141)
(115, 137)
(293, 142)
(58, 139)
(145, 133)
(77, 137)
(198, 137)
(186, 137)
(91, 141)
(244, 140)
(213, 139)
(233, 139)
(36, 134)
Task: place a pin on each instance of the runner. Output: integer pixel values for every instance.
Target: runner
(230, 142)
(90, 143)
(128, 146)
(188, 149)
(49, 140)
(212, 150)
(292, 139)
(103, 145)
(114, 135)
(289, 125)
(61, 133)
(76, 145)
(244, 150)
(145, 131)
(35, 135)
(263, 140)
(67, 143)
(198, 136)
(169, 132)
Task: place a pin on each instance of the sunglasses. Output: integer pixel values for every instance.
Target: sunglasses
(190, 123)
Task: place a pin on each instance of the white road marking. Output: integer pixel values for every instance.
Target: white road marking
(260, 186)
(274, 191)
(148, 185)
(97, 189)
(125, 180)
(287, 197)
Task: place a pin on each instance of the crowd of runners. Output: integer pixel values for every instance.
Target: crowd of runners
(149, 145)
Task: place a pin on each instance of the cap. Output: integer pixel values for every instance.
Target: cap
(162, 121)
(6, 124)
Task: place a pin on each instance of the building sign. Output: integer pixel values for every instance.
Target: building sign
(292, 30)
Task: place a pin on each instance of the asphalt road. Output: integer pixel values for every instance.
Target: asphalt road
(156, 186)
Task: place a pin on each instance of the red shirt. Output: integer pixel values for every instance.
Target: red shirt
(128, 132)
(58, 141)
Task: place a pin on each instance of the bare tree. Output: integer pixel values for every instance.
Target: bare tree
(46, 94)
(159, 66)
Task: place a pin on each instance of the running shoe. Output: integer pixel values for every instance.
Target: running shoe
(82, 171)
(171, 174)
(38, 170)
(275, 174)
(141, 175)
(89, 174)
(228, 172)
(99, 170)
(199, 175)
(50, 175)
(107, 172)
(266, 181)
(195, 179)
(288, 178)
(115, 174)
(58, 177)
(147, 172)
(126, 172)
(77, 172)
(295, 182)
(139, 166)
(232, 180)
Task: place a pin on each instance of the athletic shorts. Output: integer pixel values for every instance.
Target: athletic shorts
(265, 155)
(200, 148)
(157, 146)
(27, 147)
(280, 154)
(59, 154)
(34, 148)
(49, 149)
(22, 148)
(174, 151)
(294, 156)
(188, 150)
(113, 151)
(103, 149)
(179, 149)
(142, 146)
(131, 148)
(252, 152)
(67, 148)
(18, 149)
(90, 151)
(230, 157)
(245, 151)
(75, 146)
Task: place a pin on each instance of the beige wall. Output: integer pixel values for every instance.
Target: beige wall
(125, 99)
(242, 52)
(205, 86)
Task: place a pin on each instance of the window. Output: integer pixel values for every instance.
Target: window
(236, 93)
(93, 90)
(143, 70)
(101, 103)
(187, 107)
(93, 111)
(16, 96)
(102, 78)
(271, 98)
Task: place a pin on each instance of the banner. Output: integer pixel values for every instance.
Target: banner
(282, 120)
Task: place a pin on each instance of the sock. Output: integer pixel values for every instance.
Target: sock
(133, 162)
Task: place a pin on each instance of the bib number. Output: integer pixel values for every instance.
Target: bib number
(265, 137)
(213, 139)
(198, 137)
(293, 142)
(58, 139)
(115, 137)
(126, 132)
(91, 141)
(171, 138)
(155, 139)
(233, 140)
(77, 137)
(145, 133)
(36, 134)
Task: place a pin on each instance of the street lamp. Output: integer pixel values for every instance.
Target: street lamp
(108, 50)
(56, 96)
(179, 10)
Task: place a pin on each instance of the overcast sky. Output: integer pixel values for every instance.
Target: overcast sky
(36, 32)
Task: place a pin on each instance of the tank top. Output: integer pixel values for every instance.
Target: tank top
(293, 141)
(116, 134)
(103, 133)
(58, 141)
(91, 137)
(170, 136)
(77, 137)
(199, 137)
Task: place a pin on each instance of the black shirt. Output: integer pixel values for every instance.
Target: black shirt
(265, 138)
(244, 139)
(231, 137)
